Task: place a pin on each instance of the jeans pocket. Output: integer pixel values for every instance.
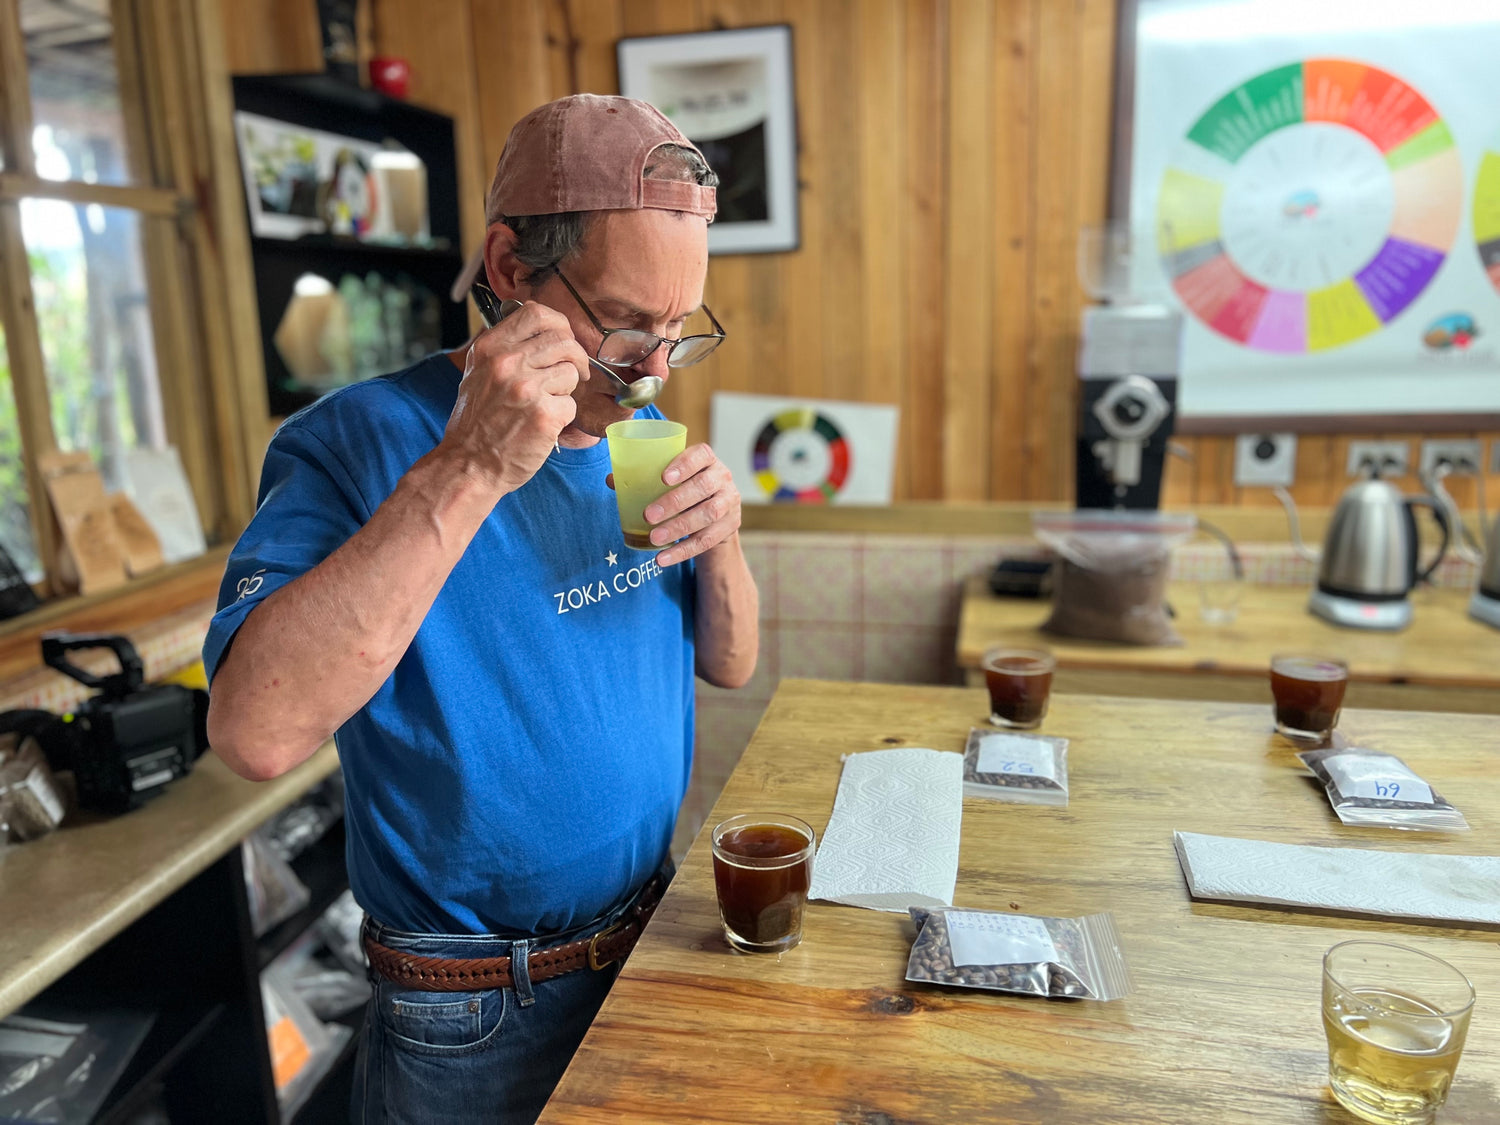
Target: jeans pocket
(442, 1023)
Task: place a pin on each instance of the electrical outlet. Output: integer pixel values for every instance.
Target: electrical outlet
(1460, 454)
(1268, 459)
(1385, 458)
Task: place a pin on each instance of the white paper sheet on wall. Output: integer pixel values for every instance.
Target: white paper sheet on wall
(160, 489)
(805, 451)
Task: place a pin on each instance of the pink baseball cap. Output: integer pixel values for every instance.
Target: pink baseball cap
(585, 152)
(589, 152)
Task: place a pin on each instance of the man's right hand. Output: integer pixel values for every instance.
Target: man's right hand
(516, 396)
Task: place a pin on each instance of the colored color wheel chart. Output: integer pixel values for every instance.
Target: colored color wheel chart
(1487, 215)
(1310, 205)
(800, 456)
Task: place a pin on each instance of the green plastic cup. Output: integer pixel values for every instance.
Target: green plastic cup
(640, 449)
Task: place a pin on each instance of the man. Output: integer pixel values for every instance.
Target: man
(436, 576)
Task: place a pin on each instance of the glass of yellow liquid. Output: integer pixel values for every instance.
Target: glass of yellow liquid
(640, 449)
(1396, 1019)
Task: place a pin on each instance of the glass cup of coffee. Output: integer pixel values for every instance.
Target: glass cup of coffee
(1309, 692)
(762, 869)
(1020, 681)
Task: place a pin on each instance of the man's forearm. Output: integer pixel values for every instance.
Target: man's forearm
(319, 648)
(726, 630)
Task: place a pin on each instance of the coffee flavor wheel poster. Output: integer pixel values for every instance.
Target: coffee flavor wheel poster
(805, 451)
(1324, 206)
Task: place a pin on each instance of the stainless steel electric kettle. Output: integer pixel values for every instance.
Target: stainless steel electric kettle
(1485, 604)
(1369, 561)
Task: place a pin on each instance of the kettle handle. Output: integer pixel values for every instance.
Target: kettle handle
(1439, 515)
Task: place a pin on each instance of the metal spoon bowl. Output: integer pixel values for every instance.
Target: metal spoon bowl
(635, 394)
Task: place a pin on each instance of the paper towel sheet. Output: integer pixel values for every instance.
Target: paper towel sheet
(892, 841)
(1452, 888)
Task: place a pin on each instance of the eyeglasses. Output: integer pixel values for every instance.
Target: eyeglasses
(626, 347)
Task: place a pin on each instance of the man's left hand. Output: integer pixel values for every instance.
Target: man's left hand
(702, 508)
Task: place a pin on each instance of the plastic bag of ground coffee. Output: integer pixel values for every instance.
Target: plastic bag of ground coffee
(1110, 579)
(1079, 958)
(1375, 790)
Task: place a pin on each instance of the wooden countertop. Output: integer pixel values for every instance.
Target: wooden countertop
(1224, 1026)
(1442, 647)
(65, 895)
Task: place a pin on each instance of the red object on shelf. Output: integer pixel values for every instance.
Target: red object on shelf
(390, 75)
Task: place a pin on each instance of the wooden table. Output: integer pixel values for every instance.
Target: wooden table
(1444, 661)
(1224, 1026)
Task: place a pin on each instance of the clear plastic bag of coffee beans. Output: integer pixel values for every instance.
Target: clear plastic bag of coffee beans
(1375, 790)
(1077, 958)
(1031, 769)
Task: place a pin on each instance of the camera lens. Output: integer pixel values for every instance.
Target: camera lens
(1129, 409)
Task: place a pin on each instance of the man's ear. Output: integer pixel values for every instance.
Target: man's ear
(505, 271)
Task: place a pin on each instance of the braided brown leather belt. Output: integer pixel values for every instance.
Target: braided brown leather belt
(476, 974)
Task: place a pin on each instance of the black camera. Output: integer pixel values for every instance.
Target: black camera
(126, 743)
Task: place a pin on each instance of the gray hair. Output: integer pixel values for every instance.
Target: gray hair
(544, 242)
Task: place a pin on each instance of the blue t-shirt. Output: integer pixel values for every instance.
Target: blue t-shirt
(522, 767)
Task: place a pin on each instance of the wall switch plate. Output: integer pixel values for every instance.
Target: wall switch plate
(1387, 458)
(1461, 454)
(1266, 459)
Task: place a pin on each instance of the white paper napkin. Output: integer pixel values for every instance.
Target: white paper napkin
(1451, 888)
(892, 841)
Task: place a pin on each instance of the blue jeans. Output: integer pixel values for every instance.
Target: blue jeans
(436, 1058)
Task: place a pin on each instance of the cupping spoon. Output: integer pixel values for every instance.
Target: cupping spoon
(635, 394)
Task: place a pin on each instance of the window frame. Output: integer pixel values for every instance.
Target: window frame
(184, 187)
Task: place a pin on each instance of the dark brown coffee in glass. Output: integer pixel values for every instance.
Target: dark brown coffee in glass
(1020, 682)
(762, 869)
(1309, 693)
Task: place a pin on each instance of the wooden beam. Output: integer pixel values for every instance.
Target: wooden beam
(1013, 433)
(234, 364)
(15, 93)
(28, 377)
(969, 257)
(924, 216)
(162, 202)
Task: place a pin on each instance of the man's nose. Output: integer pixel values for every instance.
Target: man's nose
(656, 362)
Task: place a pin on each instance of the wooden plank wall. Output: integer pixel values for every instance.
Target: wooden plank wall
(949, 152)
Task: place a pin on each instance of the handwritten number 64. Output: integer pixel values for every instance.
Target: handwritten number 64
(1387, 788)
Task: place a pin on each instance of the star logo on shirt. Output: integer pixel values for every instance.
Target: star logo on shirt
(612, 559)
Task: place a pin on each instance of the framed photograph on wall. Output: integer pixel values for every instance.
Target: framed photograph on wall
(731, 93)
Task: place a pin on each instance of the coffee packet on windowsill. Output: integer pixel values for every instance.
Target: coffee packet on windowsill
(1030, 769)
(1076, 958)
(1374, 790)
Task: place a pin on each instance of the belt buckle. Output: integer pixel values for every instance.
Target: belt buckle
(594, 962)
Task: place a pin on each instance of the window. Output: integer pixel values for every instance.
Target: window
(120, 260)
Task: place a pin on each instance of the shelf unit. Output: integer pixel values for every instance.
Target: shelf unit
(316, 101)
(194, 961)
(323, 872)
(173, 1037)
